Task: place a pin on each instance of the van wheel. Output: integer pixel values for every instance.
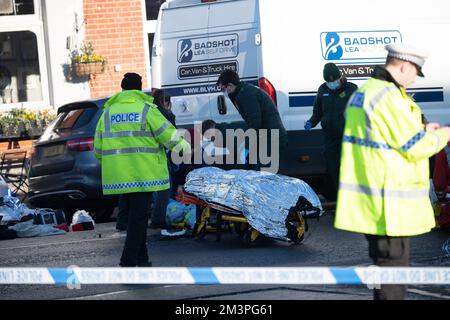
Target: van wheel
(103, 214)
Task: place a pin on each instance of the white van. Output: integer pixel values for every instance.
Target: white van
(282, 46)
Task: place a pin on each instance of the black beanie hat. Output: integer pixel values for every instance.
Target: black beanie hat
(331, 72)
(131, 81)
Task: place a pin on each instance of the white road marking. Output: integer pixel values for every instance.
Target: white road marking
(58, 243)
(101, 295)
(116, 293)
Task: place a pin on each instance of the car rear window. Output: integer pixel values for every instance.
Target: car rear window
(67, 121)
(74, 119)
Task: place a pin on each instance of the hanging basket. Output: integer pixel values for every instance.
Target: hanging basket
(88, 68)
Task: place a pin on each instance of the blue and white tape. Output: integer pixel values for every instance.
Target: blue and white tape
(372, 275)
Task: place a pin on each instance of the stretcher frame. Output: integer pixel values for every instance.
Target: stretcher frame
(296, 223)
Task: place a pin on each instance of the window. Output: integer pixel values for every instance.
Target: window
(151, 37)
(152, 8)
(16, 7)
(20, 78)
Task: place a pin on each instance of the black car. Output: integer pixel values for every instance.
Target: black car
(64, 174)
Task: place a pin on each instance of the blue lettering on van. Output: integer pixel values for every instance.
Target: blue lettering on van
(208, 48)
(132, 117)
(357, 45)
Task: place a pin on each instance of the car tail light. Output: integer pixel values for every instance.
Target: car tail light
(82, 144)
(269, 88)
(206, 1)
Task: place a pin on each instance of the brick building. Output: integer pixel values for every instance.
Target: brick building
(38, 38)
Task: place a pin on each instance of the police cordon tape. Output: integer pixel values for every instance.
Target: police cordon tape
(371, 275)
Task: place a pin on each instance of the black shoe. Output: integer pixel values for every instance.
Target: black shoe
(155, 225)
(121, 228)
(144, 264)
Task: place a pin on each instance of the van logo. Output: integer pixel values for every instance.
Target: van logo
(357, 45)
(185, 53)
(333, 51)
(208, 48)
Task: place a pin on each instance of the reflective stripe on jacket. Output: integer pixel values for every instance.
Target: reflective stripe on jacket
(384, 174)
(130, 139)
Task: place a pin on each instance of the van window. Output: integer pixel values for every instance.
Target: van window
(152, 8)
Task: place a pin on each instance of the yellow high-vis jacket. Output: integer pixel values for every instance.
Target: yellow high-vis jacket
(384, 173)
(129, 141)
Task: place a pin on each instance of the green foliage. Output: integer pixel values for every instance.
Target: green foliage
(87, 55)
(23, 122)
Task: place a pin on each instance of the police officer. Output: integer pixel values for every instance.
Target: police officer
(329, 107)
(384, 180)
(129, 142)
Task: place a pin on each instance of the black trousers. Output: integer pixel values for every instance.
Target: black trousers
(122, 215)
(388, 251)
(137, 206)
(332, 160)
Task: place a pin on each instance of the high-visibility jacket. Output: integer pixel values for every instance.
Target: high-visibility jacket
(129, 141)
(384, 174)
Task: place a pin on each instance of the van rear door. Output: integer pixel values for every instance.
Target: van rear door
(173, 55)
(236, 22)
(194, 45)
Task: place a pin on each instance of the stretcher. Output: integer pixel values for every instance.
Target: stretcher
(218, 218)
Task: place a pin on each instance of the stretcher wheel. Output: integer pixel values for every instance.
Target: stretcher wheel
(251, 237)
(202, 224)
(297, 229)
(200, 234)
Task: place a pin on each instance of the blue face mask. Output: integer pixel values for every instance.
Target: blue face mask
(333, 85)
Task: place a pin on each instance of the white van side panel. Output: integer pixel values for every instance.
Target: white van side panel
(293, 42)
(297, 39)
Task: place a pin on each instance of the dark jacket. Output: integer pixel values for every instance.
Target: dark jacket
(257, 108)
(329, 108)
(168, 115)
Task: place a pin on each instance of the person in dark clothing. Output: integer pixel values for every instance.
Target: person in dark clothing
(329, 108)
(162, 100)
(211, 154)
(257, 109)
(161, 198)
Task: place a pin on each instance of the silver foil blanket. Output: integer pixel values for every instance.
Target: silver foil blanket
(263, 198)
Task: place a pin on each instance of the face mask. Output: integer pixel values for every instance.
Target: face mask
(333, 85)
(225, 94)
